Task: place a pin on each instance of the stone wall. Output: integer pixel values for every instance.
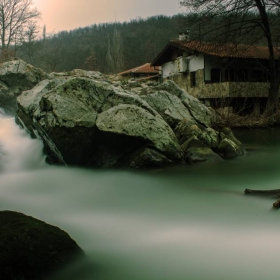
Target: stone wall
(183, 80)
(203, 90)
(246, 89)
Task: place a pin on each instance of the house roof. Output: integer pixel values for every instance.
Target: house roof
(214, 49)
(148, 78)
(143, 69)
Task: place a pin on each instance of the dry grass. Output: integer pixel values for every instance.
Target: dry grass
(250, 121)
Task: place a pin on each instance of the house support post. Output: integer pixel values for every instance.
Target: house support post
(256, 107)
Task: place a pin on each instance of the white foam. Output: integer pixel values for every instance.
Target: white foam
(18, 151)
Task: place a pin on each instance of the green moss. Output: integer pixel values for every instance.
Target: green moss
(75, 84)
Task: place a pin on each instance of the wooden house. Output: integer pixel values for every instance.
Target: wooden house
(234, 77)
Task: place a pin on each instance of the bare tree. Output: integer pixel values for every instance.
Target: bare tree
(240, 19)
(117, 51)
(51, 54)
(27, 40)
(44, 33)
(91, 61)
(114, 57)
(109, 58)
(15, 18)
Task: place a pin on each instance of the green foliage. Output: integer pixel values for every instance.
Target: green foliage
(108, 48)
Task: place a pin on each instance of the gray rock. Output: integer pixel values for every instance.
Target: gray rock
(89, 119)
(230, 149)
(20, 76)
(146, 158)
(168, 106)
(7, 98)
(197, 155)
(172, 88)
(134, 121)
(15, 77)
(210, 137)
(197, 151)
(199, 111)
(111, 122)
(187, 129)
(229, 145)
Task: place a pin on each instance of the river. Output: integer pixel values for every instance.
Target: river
(188, 222)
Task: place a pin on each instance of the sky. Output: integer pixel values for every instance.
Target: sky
(60, 15)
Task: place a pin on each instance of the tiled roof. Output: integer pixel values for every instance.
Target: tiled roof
(226, 50)
(143, 69)
(215, 49)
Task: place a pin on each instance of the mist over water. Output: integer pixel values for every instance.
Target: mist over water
(188, 222)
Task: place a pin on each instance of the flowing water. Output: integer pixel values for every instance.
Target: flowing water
(188, 222)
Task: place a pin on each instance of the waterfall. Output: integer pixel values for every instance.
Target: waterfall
(18, 152)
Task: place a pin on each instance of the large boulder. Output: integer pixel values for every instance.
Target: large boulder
(31, 249)
(84, 118)
(88, 122)
(19, 76)
(15, 77)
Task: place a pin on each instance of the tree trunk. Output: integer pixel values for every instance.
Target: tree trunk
(272, 100)
(268, 193)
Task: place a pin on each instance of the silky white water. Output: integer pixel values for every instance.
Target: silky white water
(190, 222)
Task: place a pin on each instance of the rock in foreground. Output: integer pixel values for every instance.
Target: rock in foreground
(87, 119)
(31, 249)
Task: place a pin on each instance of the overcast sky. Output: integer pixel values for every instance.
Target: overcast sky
(70, 14)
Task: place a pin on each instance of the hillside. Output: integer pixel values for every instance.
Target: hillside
(109, 48)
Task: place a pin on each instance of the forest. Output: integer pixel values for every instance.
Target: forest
(108, 48)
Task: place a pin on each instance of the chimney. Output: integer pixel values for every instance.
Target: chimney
(184, 36)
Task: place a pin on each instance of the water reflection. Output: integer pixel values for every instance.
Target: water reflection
(180, 223)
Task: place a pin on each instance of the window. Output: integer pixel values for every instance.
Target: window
(242, 75)
(193, 79)
(229, 75)
(259, 76)
(215, 75)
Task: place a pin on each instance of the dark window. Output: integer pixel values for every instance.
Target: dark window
(193, 79)
(259, 76)
(229, 75)
(215, 75)
(242, 75)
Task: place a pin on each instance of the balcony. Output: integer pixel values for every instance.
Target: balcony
(232, 89)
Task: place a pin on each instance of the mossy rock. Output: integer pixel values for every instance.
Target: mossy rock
(230, 149)
(204, 154)
(32, 249)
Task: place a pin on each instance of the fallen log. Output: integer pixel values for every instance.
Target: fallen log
(268, 193)
(275, 192)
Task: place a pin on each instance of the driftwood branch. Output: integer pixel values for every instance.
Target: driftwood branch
(268, 193)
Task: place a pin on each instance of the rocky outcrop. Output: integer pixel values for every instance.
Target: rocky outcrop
(88, 122)
(32, 249)
(89, 119)
(15, 77)
(19, 76)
